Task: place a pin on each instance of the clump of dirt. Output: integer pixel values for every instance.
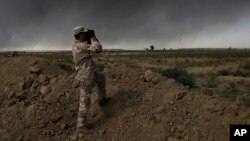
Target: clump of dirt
(39, 101)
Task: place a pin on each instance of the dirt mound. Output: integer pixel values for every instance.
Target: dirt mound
(39, 101)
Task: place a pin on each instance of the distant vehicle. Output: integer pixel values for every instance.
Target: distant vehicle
(11, 54)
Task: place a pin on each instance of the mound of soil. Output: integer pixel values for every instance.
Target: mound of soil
(39, 101)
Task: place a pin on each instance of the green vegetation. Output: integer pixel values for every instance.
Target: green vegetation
(185, 53)
(246, 66)
(180, 75)
(99, 67)
(132, 65)
(66, 67)
(238, 72)
(210, 84)
(230, 91)
(196, 68)
(211, 81)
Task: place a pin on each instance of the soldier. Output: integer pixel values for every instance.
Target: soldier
(86, 75)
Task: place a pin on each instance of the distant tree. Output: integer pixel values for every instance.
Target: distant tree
(152, 47)
(164, 49)
(146, 49)
(230, 48)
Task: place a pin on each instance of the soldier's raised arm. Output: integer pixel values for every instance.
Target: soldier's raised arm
(96, 47)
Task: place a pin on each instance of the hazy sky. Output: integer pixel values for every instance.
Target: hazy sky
(124, 24)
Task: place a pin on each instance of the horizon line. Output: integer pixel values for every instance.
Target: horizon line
(64, 50)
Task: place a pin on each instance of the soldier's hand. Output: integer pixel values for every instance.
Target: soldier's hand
(91, 33)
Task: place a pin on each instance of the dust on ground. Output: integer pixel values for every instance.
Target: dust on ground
(39, 101)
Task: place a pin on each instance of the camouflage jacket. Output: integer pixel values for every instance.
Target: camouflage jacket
(82, 57)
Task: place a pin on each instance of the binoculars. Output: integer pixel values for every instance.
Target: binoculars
(90, 33)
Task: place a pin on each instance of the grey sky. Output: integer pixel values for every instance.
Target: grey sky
(47, 24)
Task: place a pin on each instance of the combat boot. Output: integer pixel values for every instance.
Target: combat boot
(80, 131)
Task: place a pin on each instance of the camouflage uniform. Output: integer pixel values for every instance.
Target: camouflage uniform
(87, 77)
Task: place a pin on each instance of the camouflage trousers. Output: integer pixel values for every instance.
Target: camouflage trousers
(86, 87)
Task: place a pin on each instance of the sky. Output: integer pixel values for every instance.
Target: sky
(124, 24)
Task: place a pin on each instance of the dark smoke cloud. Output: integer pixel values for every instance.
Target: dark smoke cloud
(46, 23)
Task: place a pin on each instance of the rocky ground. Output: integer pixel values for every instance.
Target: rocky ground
(39, 101)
